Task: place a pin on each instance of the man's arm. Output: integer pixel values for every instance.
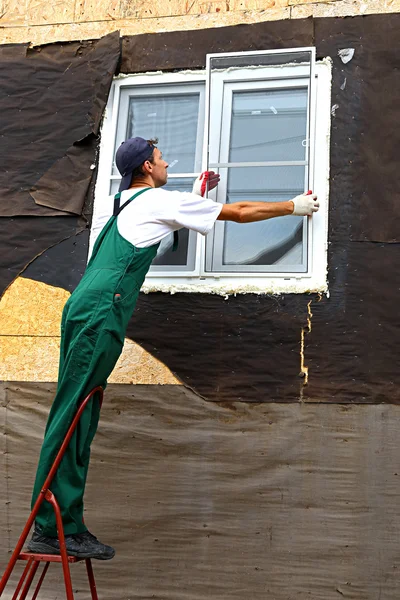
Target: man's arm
(249, 212)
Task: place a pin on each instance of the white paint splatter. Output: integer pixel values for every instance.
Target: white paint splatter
(343, 84)
(334, 109)
(346, 54)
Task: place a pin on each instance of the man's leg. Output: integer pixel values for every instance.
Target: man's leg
(88, 363)
(69, 481)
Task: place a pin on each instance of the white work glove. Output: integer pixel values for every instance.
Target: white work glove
(208, 179)
(305, 205)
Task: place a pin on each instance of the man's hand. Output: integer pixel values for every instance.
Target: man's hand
(206, 179)
(305, 205)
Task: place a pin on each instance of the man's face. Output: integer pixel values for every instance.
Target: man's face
(159, 169)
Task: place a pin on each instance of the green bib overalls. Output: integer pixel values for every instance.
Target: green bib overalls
(93, 327)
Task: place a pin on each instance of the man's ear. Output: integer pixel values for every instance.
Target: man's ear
(147, 166)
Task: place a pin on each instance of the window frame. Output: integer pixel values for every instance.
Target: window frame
(248, 80)
(200, 279)
(171, 89)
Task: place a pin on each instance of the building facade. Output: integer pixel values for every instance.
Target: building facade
(248, 435)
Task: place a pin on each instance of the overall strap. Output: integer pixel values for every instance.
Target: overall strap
(117, 197)
(176, 242)
(118, 209)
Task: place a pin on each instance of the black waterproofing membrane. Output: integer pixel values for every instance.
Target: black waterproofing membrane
(51, 105)
(250, 348)
(246, 348)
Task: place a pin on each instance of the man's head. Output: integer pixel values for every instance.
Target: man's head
(139, 159)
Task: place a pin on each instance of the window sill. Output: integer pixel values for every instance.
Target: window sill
(231, 286)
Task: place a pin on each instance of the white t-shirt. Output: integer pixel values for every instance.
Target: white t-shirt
(155, 214)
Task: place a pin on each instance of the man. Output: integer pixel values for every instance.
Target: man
(96, 316)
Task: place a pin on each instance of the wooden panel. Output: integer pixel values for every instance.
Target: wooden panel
(342, 8)
(87, 19)
(12, 12)
(94, 10)
(40, 12)
(24, 358)
(31, 308)
(46, 34)
(30, 315)
(35, 358)
(90, 10)
(292, 2)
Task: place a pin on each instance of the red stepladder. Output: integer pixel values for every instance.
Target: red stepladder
(33, 559)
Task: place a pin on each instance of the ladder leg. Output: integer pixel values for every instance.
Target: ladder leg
(22, 579)
(29, 580)
(39, 583)
(63, 549)
(20, 543)
(46, 493)
(92, 582)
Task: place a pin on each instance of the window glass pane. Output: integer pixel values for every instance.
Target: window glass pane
(173, 119)
(268, 125)
(185, 254)
(114, 185)
(181, 184)
(278, 241)
(165, 255)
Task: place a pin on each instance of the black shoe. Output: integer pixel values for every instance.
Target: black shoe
(81, 545)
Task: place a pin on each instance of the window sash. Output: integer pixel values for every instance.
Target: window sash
(182, 88)
(166, 89)
(220, 121)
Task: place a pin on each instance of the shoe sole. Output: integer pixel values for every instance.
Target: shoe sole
(40, 548)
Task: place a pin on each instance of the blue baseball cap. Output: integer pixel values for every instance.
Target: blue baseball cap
(131, 154)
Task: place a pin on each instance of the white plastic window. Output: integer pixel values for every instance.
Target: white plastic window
(262, 158)
(265, 129)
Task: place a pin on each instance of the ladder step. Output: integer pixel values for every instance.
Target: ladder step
(46, 557)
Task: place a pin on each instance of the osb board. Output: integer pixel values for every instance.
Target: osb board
(31, 308)
(90, 10)
(42, 34)
(234, 501)
(40, 23)
(35, 358)
(341, 8)
(30, 316)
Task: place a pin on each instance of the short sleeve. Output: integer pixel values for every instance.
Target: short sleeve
(197, 213)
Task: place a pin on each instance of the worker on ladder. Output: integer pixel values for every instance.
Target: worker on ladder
(96, 316)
